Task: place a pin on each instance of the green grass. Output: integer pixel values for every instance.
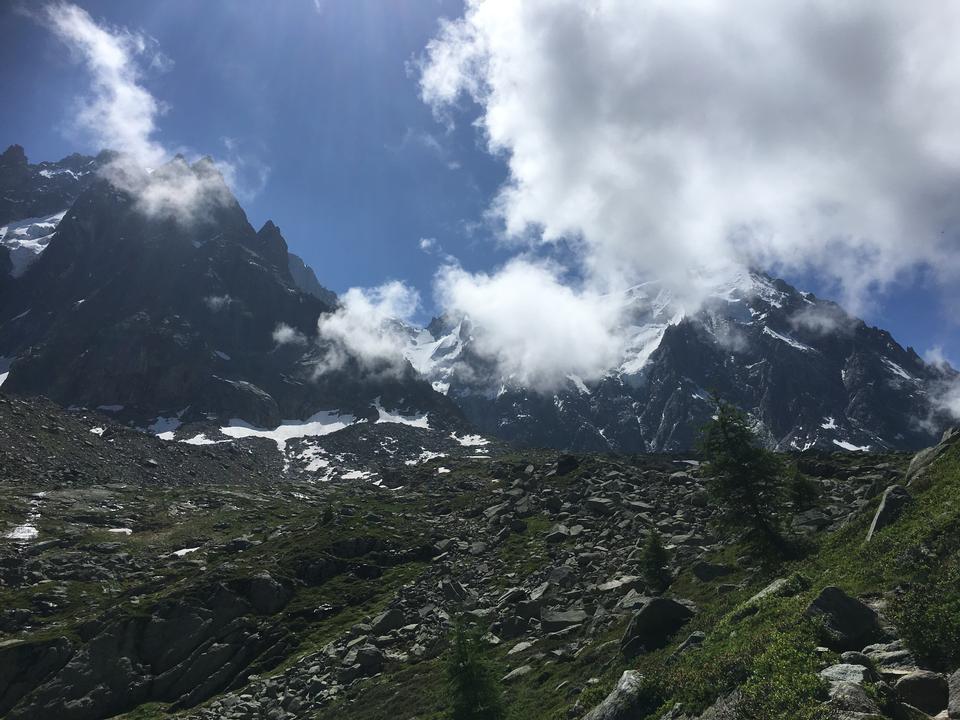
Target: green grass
(771, 654)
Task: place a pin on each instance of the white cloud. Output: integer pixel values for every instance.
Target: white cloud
(365, 329)
(283, 334)
(696, 137)
(945, 394)
(428, 245)
(121, 114)
(216, 303)
(935, 356)
(823, 319)
(536, 327)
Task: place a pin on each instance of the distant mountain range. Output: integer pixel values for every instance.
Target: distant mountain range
(102, 305)
(809, 374)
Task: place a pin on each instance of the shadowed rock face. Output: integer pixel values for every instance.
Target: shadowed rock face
(847, 623)
(181, 651)
(28, 190)
(161, 313)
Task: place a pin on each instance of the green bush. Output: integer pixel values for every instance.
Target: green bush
(928, 614)
(783, 682)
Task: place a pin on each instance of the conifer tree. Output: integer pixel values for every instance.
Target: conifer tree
(746, 479)
(474, 691)
(654, 562)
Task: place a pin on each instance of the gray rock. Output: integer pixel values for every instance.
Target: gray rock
(517, 673)
(653, 624)
(925, 690)
(624, 701)
(893, 655)
(552, 621)
(895, 499)
(852, 657)
(847, 624)
(953, 707)
(558, 533)
(387, 621)
(847, 673)
(599, 505)
(266, 594)
(725, 708)
(922, 461)
(851, 697)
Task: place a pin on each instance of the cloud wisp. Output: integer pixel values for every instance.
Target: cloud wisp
(366, 328)
(120, 114)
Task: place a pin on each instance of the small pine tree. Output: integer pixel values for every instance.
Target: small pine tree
(474, 691)
(747, 480)
(654, 562)
(802, 490)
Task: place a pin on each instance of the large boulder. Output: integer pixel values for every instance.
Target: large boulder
(953, 708)
(266, 594)
(383, 623)
(625, 701)
(850, 697)
(895, 499)
(653, 624)
(922, 461)
(925, 690)
(847, 623)
(846, 672)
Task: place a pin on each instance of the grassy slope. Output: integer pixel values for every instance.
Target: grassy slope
(773, 651)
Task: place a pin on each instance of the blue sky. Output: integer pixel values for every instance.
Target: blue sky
(321, 94)
(359, 170)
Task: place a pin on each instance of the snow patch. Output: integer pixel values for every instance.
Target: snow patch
(5, 363)
(386, 416)
(321, 423)
(26, 239)
(22, 533)
(898, 370)
(184, 551)
(425, 456)
(788, 340)
(202, 439)
(850, 446)
(164, 427)
(97, 430)
(470, 440)
(121, 531)
(829, 424)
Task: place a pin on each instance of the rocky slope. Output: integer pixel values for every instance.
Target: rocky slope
(811, 376)
(148, 578)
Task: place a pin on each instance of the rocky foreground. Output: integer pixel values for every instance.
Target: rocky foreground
(144, 579)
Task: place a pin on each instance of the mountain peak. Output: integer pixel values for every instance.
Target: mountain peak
(13, 155)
